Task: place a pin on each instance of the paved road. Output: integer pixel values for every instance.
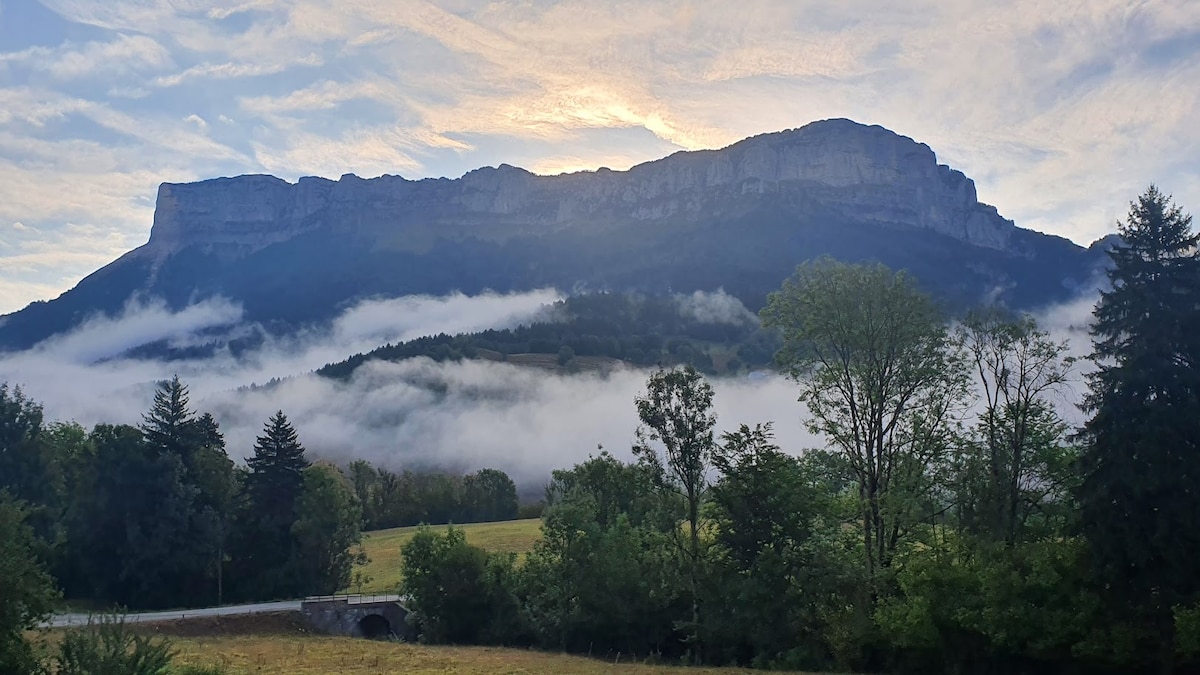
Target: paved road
(76, 619)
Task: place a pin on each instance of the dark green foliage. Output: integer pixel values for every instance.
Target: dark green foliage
(461, 593)
(27, 593)
(264, 546)
(410, 498)
(677, 413)
(607, 488)
(1140, 509)
(276, 476)
(643, 330)
(871, 354)
(108, 646)
(1015, 466)
(490, 495)
(327, 529)
(131, 527)
(23, 463)
(602, 589)
(778, 559)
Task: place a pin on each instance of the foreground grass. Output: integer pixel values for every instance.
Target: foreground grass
(280, 644)
(383, 548)
(255, 654)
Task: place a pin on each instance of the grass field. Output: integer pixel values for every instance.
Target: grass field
(279, 644)
(383, 548)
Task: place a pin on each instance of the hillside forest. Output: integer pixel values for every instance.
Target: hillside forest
(953, 522)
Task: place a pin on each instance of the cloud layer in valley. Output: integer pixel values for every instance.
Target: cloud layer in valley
(1062, 112)
(414, 413)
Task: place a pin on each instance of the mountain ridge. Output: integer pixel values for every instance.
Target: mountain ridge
(739, 217)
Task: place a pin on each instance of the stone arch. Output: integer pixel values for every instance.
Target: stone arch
(375, 627)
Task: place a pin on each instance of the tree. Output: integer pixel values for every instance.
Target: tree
(172, 431)
(212, 473)
(24, 469)
(770, 574)
(266, 546)
(130, 525)
(27, 593)
(366, 483)
(875, 368)
(1140, 508)
(490, 495)
(461, 593)
(328, 529)
(168, 424)
(676, 411)
(1016, 462)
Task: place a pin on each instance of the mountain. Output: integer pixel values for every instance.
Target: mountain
(740, 218)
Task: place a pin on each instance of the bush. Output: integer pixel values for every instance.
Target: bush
(460, 593)
(107, 646)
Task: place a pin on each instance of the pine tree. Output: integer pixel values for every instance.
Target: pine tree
(277, 471)
(265, 543)
(168, 425)
(1140, 506)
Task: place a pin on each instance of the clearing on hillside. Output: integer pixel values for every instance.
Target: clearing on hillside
(383, 548)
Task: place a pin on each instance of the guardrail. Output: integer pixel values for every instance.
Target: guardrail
(354, 598)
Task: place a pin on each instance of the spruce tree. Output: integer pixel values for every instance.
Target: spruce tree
(168, 425)
(1140, 509)
(273, 488)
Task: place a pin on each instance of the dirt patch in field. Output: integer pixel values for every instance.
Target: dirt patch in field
(267, 623)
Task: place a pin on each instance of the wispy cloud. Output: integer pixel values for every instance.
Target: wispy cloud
(1062, 112)
(411, 414)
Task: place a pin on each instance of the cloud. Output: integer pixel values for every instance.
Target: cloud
(230, 70)
(415, 413)
(411, 414)
(718, 307)
(1061, 112)
(197, 120)
(127, 54)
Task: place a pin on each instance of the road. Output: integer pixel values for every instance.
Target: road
(77, 619)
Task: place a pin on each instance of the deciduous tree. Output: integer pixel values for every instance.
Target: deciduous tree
(873, 360)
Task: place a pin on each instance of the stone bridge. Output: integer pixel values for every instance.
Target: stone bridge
(369, 616)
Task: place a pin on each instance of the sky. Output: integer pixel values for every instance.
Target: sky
(1062, 111)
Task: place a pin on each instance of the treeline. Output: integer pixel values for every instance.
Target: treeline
(390, 499)
(953, 523)
(158, 515)
(642, 330)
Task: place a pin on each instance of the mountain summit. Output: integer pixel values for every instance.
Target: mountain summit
(740, 218)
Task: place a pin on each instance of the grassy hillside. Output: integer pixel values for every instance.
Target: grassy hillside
(383, 548)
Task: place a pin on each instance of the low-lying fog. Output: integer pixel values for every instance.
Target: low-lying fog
(523, 420)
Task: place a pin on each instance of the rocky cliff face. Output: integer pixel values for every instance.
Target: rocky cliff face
(867, 173)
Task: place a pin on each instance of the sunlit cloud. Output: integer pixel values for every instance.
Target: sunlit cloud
(1062, 112)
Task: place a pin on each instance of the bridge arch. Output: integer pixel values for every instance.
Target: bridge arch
(375, 627)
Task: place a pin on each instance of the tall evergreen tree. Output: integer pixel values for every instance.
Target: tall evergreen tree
(168, 425)
(1140, 506)
(172, 431)
(266, 547)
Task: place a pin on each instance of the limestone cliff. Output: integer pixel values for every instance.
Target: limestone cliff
(867, 173)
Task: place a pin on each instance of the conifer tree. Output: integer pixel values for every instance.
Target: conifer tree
(1140, 506)
(168, 424)
(277, 471)
(266, 547)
